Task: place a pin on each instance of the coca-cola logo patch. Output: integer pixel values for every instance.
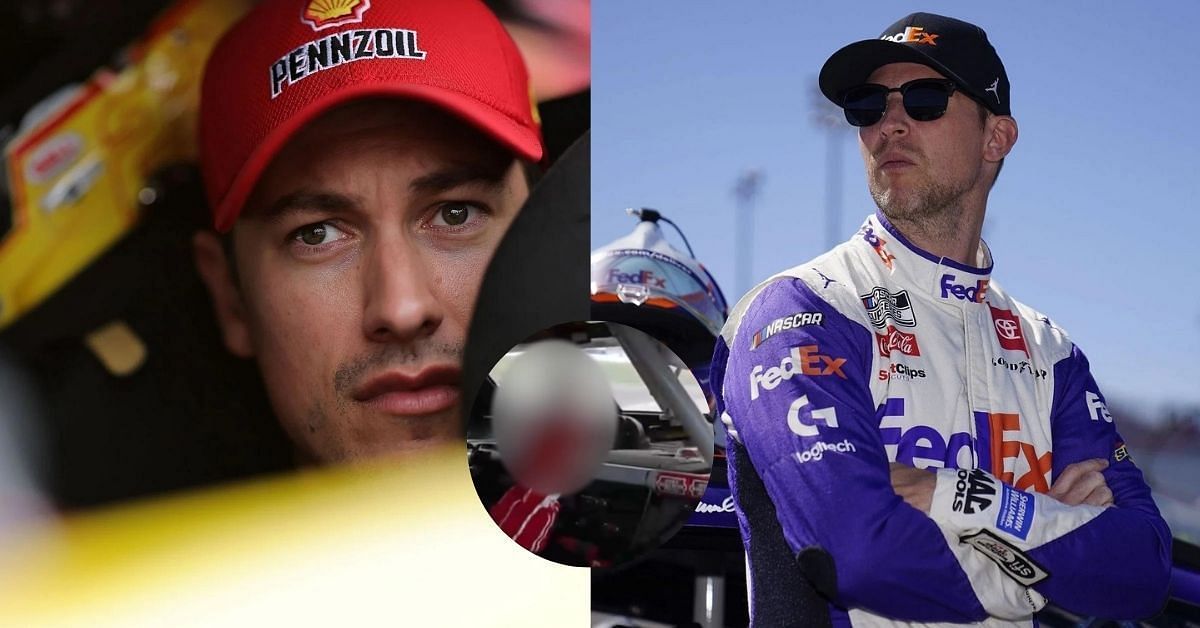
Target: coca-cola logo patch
(895, 340)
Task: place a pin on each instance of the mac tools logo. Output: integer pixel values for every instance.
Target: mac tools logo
(974, 491)
(882, 305)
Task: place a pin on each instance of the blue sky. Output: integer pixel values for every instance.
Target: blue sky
(1092, 220)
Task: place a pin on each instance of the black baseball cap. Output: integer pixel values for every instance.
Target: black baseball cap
(960, 51)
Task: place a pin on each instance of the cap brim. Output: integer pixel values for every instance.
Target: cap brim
(523, 141)
(851, 65)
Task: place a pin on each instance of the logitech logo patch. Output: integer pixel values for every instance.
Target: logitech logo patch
(802, 418)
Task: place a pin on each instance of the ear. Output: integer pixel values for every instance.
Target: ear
(214, 270)
(1001, 136)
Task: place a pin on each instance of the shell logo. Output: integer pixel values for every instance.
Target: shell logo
(322, 14)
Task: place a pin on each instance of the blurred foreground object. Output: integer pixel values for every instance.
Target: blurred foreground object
(554, 418)
(23, 509)
(78, 166)
(555, 39)
(363, 546)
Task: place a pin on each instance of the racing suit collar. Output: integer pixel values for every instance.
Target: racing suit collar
(946, 280)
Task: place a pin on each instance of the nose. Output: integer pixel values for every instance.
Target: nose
(895, 119)
(401, 303)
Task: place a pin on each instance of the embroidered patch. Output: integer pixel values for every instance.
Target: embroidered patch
(1012, 561)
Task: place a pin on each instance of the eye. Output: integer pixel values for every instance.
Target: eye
(456, 214)
(317, 233)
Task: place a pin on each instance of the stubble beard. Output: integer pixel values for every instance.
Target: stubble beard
(329, 445)
(931, 206)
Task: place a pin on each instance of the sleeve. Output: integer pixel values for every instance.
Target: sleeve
(1107, 562)
(797, 396)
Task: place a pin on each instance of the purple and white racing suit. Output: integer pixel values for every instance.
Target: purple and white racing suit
(879, 352)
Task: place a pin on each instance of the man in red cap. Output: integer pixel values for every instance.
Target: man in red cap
(363, 159)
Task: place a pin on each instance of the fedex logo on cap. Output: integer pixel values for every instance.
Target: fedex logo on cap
(974, 293)
(912, 35)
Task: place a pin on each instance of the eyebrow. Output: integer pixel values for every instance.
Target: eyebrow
(302, 200)
(490, 174)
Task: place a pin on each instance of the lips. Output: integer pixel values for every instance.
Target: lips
(892, 161)
(433, 389)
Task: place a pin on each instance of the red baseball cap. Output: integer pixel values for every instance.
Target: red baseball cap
(288, 61)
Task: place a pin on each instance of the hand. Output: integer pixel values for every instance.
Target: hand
(1083, 483)
(914, 485)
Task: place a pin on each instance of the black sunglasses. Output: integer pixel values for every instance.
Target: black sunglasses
(924, 100)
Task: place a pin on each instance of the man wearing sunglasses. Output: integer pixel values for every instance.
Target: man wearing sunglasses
(942, 443)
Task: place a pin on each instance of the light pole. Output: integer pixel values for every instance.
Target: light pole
(828, 117)
(745, 191)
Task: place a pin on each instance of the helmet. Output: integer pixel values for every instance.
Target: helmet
(642, 281)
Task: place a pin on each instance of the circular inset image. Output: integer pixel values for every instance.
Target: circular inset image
(554, 419)
(590, 443)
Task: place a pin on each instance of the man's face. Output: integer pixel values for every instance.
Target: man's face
(920, 169)
(359, 256)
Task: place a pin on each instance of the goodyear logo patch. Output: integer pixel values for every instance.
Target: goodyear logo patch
(340, 48)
